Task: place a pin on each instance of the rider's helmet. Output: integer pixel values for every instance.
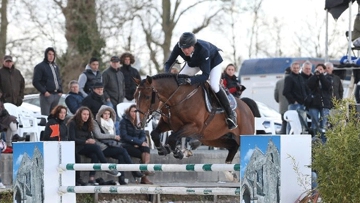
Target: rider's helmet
(187, 40)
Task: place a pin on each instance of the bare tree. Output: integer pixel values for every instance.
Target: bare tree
(158, 24)
(3, 27)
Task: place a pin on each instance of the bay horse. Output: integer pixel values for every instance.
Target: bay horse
(184, 112)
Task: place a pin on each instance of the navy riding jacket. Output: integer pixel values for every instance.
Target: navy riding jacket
(206, 56)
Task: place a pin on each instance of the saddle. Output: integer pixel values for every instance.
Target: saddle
(211, 101)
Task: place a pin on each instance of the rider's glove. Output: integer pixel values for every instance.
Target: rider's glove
(184, 81)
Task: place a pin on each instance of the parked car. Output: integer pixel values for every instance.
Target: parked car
(269, 114)
(32, 102)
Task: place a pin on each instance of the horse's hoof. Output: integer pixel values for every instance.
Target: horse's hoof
(194, 143)
(162, 151)
(178, 154)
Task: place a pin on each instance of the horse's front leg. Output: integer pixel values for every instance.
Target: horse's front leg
(185, 131)
(156, 137)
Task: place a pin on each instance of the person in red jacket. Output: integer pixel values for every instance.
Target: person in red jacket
(231, 82)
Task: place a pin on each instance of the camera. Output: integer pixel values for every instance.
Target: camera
(317, 72)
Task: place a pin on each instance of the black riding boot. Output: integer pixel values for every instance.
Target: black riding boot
(231, 118)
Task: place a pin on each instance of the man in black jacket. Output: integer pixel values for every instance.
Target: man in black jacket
(47, 81)
(126, 60)
(295, 91)
(95, 99)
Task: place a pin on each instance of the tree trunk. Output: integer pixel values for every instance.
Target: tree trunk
(3, 27)
(83, 38)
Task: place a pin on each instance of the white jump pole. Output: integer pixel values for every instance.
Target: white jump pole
(151, 167)
(149, 190)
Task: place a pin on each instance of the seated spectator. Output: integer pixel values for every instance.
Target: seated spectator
(231, 82)
(55, 129)
(104, 132)
(95, 99)
(74, 98)
(134, 140)
(80, 128)
(9, 124)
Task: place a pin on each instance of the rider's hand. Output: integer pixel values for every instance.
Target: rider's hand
(184, 81)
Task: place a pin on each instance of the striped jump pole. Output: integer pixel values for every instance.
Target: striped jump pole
(149, 190)
(151, 167)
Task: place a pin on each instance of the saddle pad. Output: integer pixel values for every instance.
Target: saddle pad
(231, 98)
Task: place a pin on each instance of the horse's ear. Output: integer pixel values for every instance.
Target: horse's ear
(137, 81)
(149, 79)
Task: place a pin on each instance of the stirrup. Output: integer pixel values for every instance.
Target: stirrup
(231, 124)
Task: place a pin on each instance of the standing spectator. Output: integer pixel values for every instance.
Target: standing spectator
(95, 99)
(89, 77)
(129, 72)
(337, 89)
(114, 85)
(134, 140)
(281, 99)
(80, 128)
(320, 106)
(231, 82)
(55, 129)
(74, 98)
(306, 69)
(47, 81)
(295, 91)
(12, 83)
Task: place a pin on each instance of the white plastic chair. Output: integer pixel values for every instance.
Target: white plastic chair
(292, 117)
(27, 122)
(259, 125)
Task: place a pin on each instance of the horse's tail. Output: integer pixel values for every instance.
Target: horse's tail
(252, 105)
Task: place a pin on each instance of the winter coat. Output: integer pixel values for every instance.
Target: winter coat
(87, 79)
(279, 97)
(320, 87)
(231, 83)
(114, 85)
(295, 89)
(79, 135)
(101, 133)
(337, 89)
(12, 85)
(130, 85)
(73, 101)
(55, 130)
(94, 102)
(129, 134)
(206, 56)
(43, 78)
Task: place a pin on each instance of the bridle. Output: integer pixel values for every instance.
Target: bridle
(164, 103)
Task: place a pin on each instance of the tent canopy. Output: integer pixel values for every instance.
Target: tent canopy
(337, 7)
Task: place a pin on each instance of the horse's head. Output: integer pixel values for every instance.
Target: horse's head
(146, 101)
(150, 91)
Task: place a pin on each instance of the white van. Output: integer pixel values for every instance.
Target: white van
(259, 76)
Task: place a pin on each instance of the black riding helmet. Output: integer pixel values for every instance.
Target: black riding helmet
(187, 40)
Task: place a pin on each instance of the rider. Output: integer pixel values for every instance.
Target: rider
(204, 56)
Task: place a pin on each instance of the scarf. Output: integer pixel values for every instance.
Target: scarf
(108, 125)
